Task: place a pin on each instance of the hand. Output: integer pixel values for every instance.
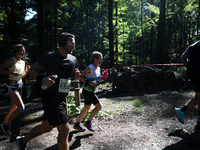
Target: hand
(47, 81)
(28, 67)
(101, 80)
(106, 76)
(76, 74)
(93, 83)
(16, 74)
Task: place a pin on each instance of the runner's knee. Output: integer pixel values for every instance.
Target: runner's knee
(87, 108)
(99, 106)
(13, 107)
(64, 129)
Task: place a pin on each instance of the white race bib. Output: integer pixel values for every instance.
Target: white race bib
(20, 84)
(64, 85)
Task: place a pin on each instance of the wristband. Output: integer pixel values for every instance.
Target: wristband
(39, 77)
(25, 71)
(87, 82)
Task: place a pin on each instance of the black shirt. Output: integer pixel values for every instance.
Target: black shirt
(56, 64)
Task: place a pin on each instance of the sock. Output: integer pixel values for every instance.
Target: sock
(6, 124)
(184, 108)
(88, 121)
(77, 123)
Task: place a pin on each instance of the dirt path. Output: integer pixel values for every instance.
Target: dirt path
(151, 126)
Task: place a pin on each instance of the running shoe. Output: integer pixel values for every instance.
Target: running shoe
(180, 115)
(79, 127)
(5, 129)
(20, 144)
(89, 126)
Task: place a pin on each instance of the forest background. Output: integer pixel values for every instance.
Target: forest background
(127, 32)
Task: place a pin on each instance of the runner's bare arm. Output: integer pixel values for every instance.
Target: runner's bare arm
(8, 63)
(34, 71)
(84, 73)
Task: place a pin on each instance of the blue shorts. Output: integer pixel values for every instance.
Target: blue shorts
(90, 98)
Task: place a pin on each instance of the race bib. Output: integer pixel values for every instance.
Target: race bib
(20, 84)
(64, 85)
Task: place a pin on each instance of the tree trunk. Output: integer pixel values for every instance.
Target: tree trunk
(9, 22)
(110, 21)
(198, 23)
(55, 24)
(40, 24)
(116, 37)
(151, 40)
(161, 34)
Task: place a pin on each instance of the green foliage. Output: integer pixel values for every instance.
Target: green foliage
(191, 6)
(136, 102)
(181, 70)
(105, 115)
(74, 111)
(70, 97)
(137, 111)
(106, 84)
(135, 29)
(153, 9)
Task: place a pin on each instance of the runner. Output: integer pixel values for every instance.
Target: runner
(191, 59)
(64, 65)
(14, 68)
(90, 76)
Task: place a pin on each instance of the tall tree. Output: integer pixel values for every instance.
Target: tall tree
(152, 36)
(116, 36)
(40, 24)
(110, 22)
(161, 34)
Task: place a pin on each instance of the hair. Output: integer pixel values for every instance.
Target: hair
(95, 54)
(17, 47)
(63, 38)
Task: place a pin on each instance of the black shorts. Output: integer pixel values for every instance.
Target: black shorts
(90, 98)
(196, 83)
(54, 109)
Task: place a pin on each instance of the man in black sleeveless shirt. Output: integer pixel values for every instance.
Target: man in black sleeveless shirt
(64, 65)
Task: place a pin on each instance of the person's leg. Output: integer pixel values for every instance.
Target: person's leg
(63, 134)
(38, 130)
(77, 125)
(199, 110)
(83, 112)
(17, 100)
(44, 127)
(190, 104)
(95, 111)
(13, 107)
(88, 123)
(193, 102)
(198, 118)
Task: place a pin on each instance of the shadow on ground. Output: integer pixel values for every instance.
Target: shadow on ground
(188, 142)
(75, 144)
